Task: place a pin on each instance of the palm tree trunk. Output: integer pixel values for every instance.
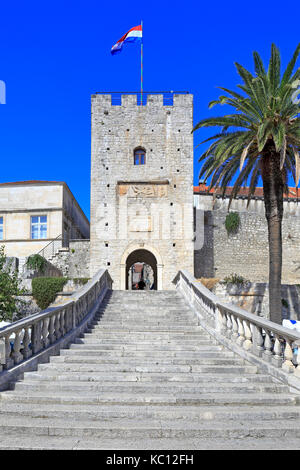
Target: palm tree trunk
(273, 199)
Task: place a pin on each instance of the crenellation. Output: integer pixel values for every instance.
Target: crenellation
(155, 100)
(128, 101)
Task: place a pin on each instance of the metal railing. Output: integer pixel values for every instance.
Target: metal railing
(52, 247)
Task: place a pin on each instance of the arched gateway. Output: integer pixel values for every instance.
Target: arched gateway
(148, 255)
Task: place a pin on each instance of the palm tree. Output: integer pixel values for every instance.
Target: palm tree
(260, 140)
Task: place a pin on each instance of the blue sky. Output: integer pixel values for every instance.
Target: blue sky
(54, 55)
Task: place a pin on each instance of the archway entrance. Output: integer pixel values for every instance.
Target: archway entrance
(141, 270)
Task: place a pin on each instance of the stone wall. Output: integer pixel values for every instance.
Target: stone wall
(254, 297)
(246, 252)
(74, 262)
(50, 270)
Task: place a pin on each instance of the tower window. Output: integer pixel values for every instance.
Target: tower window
(139, 156)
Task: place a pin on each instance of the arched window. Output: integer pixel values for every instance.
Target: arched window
(139, 156)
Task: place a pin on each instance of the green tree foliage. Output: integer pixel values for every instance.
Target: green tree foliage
(37, 263)
(9, 288)
(260, 139)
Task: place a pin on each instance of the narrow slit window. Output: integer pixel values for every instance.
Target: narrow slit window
(1, 228)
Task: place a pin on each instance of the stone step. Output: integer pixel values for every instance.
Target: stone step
(146, 372)
(133, 327)
(112, 323)
(126, 315)
(99, 343)
(84, 354)
(139, 374)
(164, 444)
(212, 365)
(134, 305)
(203, 413)
(204, 351)
(149, 428)
(153, 388)
(150, 321)
(93, 339)
(154, 313)
(147, 335)
(252, 399)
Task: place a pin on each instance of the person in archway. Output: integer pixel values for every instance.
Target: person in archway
(142, 285)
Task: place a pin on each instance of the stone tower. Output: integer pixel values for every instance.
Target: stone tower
(142, 186)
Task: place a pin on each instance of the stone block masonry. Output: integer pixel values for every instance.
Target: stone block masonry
(148, 206)
(246, 252)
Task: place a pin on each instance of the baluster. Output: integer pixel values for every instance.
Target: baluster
(258, 341)
(9, 361)
(57, 326)
(78, 310)
(288, 356)
(297, 370)
(241, 338)
(235, 334)
(26, 351)
(52, 336)
(16, 353)
(36, 337)
(62, 322)
(248, 335)
(228, 325)
(75, 313)
(45, 331)
(224, 323)
(268, 346)
(2, 352)
(72, 316)
(67, 319)
(277, 357)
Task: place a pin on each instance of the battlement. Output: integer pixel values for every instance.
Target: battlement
(148, 98)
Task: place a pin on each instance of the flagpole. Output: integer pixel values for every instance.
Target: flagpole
(142, 64)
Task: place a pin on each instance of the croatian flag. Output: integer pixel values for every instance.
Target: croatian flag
(135, 34)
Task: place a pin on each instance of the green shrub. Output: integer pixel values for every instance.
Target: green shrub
(285, 303)
(36, 262)
(235, 279)
(45, 289)
(232, 222)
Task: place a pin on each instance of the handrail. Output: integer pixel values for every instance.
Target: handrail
(55, 326)
(257, 339)
(47, 247)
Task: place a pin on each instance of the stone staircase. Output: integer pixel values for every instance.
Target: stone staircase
(147, 376)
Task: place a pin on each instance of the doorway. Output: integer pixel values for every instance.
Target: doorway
(141, 270)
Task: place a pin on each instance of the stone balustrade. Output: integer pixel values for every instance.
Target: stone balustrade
(33, 339)
(274, 348)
